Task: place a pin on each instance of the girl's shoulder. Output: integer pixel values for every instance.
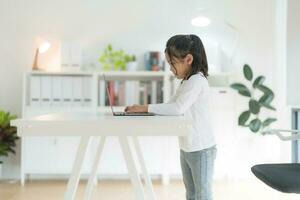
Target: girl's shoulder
(195, 80)
(197, 77)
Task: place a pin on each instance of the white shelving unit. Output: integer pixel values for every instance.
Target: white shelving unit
(49, 92)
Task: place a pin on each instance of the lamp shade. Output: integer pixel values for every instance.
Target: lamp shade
(44, 47)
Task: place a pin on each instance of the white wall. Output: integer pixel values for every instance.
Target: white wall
(293, 49)
(136, 26)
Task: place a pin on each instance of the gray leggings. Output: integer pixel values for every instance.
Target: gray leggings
(197, 171)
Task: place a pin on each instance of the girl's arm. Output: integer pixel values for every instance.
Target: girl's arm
(185, 97)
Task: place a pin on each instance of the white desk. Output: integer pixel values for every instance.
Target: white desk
(89, 124)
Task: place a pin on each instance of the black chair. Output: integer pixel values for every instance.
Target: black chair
(282, 177)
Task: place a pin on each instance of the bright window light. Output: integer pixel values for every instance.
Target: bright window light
(200, 21)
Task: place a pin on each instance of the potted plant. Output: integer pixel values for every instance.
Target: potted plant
(260, 97)
(8, 136)
(114, 60)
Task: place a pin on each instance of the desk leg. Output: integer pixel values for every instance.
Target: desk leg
(22, 174)
(93, 175)
(148, 182)
(135, 180)
(165, 175)
(77, 165)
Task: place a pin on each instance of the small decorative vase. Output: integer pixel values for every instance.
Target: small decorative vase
(131, 66)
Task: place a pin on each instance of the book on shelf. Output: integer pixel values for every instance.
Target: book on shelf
(159, 92)
(131, 92)
(143, 93)
(117, 91)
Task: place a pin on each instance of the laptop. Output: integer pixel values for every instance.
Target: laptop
(123, 113)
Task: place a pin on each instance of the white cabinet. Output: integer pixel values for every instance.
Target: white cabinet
(50, 155)
(224, 119)
(41, 150)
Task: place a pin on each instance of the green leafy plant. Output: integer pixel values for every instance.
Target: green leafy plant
(256, 88)
(114, 60)
(8, 134)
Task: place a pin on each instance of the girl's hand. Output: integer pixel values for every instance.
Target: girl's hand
(136, 108)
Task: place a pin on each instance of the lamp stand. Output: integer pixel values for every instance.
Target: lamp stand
(35, 61)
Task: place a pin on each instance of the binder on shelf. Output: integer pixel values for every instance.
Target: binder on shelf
(102, 92)
(87, 91)
(67, 89)
(132, 96)
(121, 93)
(143, 93)
(77, 91)
(116, 92)
(57, 91)
(148, 92)
(70, 56)
(145, 96)
(35, 88)
(153, 92)
(46, 89)
(160, 93)
(110, 85)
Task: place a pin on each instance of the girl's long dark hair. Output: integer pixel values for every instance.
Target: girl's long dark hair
(179, 46)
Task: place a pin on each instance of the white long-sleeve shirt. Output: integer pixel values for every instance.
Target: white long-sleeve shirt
(191, 100)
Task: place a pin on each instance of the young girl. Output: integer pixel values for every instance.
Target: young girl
(187, 59)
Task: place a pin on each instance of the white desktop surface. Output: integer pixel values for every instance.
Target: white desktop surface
(89, 124)
(101, 124)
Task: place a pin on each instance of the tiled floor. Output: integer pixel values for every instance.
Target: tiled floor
(122, 190)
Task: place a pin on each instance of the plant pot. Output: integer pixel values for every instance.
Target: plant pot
(131, 66)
